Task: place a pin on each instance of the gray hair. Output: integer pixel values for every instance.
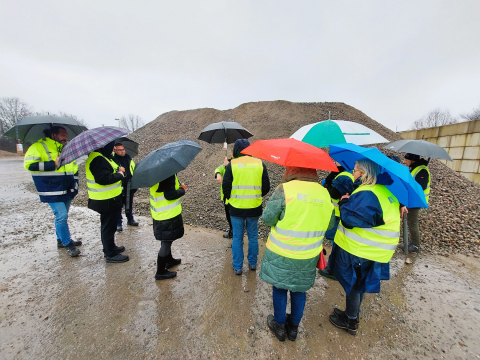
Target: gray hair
(370, 171)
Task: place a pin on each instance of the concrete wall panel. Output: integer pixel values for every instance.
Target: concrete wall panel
(473, 139)
(456, 153)
(444, 141)
(472, 153)
(458, 140)
(453, 129)
(470, 166)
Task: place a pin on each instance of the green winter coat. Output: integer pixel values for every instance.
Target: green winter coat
(297, 275)
(220, 170)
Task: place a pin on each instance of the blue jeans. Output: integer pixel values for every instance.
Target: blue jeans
(353, 302)
(60, 209)
(238, 225)
(297, 300)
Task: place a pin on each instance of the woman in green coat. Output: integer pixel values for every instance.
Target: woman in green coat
(300, 212)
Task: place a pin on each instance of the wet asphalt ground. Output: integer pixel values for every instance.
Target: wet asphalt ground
(56, 307)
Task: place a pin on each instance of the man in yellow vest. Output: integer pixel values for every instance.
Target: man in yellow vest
(244, 184)
(57, 187)
(419, 170)
(104, 184)
(124, 160)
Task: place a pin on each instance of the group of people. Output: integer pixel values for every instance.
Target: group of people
(355, 210)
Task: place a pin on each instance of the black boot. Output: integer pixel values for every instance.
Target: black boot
(72, 250)
(60, 245)
(162, 272)
(341, 313)
(278, 330)
(171, 262)
(292, 329)
(343, 322)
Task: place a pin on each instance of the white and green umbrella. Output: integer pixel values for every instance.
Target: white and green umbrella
(324, 133)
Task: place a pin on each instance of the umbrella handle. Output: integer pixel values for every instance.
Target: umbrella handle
(405, 234)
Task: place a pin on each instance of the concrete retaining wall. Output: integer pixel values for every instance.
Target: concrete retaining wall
(462, 141)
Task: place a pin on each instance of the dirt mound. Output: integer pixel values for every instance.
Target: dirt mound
(451, 225)
(4, 153)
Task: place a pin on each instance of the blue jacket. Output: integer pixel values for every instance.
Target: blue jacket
(52, 185)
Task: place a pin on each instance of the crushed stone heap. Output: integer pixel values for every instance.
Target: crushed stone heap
(451, 225)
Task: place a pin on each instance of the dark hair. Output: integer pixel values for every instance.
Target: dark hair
(119, 144)
(412, 157)
(53, 130)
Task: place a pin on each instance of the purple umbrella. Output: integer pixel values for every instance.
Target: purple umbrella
(88, 141)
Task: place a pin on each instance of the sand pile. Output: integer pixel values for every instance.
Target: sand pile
(452, 224)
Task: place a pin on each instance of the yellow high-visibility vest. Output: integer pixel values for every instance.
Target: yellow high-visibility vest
(300, 234)
(97, 191)
(161, 208)
(414, 173)
(377, 243)
(335, 201)
(247, 174)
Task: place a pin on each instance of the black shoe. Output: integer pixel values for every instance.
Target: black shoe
(165, 275)
(252, 267)
(341, 313)
(132, 223)
(228, 234)
(237, 272)
(171, 262)
(72, 250)
(278, 330)
(119, 228)
(117, 259)
(343, 322)
(118, 250)
(291, 328)
(75, 243)
(327, 274)
(413, 248)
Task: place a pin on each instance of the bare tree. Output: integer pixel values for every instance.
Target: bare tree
(12, 109)
(131, 122)
(81, 121)
(474, 115)
(436, 117)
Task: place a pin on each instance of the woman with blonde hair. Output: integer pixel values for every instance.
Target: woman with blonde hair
(366, 238)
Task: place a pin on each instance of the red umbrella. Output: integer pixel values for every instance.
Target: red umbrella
(291, 152)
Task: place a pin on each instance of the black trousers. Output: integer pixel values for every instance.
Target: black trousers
(108, 227)
(227, 214)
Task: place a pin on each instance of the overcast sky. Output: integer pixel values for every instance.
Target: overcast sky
(99, 60)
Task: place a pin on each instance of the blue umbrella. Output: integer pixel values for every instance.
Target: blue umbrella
(404, 187)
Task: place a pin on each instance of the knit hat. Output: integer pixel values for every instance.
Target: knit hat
(413, 157)
(239, 145)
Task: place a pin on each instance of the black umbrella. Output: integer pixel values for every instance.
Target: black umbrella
(164, 162)
(224, 131)
(30, 128)
(419, 147)
(131, 147)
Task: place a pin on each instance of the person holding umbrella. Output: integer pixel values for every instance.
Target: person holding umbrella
(366, 239)
(57, 187)
(244, 184)
(104, 183)
(421, 174)
(337, 184)
(219, 172)
(122, 159)
(166, 210)
(298, 227)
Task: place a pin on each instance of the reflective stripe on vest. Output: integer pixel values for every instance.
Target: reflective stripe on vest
(299, 235)
(335, 201)
(377, 243)
(247, 183)
(414, 173)
(97, 191)
(161, 208)
(52, 193)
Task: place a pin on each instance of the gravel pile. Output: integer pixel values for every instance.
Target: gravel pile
(451, 225)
